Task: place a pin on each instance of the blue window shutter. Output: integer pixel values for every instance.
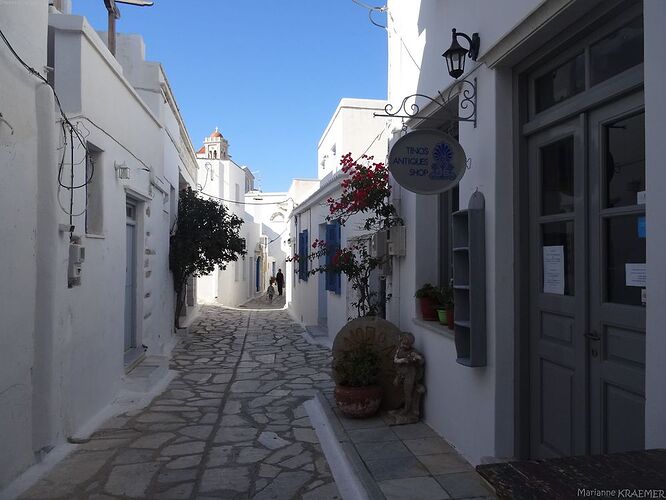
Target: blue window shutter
(337, 279)
(330, 244)
(305, 255)
(301, 253)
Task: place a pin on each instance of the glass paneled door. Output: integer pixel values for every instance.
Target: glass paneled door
(616, 332)
(587, 274)
(557, 290)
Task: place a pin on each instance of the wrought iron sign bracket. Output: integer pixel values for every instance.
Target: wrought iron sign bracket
(464, 89)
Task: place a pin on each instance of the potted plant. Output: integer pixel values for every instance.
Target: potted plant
(357, 393)
(445, 310)
(441, 315)
(429, 298)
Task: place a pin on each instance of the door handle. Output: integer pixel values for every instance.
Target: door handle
(592, 336)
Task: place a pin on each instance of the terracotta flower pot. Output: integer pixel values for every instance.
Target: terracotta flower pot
(428, 309)
(358, 402)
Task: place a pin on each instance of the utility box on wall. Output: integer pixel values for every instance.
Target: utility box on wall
(396, 241)
(378, 245)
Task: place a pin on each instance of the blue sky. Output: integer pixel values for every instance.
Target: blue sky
(268, 74)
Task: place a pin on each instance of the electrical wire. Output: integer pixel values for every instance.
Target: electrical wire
(247, 202)
(36, 73)
(371, 10)
(110, 136)
(66, 126)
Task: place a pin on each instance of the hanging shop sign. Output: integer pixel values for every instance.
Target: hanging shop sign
(427, 162)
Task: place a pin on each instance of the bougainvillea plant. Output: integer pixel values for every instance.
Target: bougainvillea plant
(357, 264)
(365, 190)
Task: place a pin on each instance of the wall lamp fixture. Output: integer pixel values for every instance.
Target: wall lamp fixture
(455, 55)
(122, 170)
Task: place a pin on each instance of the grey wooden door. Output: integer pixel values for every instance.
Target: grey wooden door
(130, 279)
(557, 291)
(587, 258)
(617, 268)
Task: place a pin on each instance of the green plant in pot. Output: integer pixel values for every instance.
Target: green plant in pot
(429, 298)
(357, 393)
(445, 309)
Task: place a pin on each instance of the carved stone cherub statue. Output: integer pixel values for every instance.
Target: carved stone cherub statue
(409, 372)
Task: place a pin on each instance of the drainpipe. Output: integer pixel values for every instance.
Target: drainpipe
(47, 242)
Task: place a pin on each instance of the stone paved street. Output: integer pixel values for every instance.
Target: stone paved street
(230, 425)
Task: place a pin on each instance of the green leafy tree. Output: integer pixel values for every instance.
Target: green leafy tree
(205, 235)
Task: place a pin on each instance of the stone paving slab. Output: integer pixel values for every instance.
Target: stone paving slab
(231, 425)
(404, 462)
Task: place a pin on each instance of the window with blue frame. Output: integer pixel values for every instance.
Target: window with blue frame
(303, 255)
(333, 279)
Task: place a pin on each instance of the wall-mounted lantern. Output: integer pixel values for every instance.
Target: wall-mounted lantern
(455, 55)
(122, 170)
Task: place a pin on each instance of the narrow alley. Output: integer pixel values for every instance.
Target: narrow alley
(230, 425)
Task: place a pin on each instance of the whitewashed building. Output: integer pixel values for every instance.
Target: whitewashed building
(321, 302)
(567, 149)
(224, 180)
(272, 211)
(87, 291)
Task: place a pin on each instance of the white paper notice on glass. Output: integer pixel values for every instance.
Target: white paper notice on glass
(640, 198)
(635, 275)
(553, 269)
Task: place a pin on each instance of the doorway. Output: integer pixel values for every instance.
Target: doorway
(130, 277)
(587, 232)
(258, 275)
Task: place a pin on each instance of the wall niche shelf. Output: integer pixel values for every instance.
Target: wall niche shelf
(469, 282)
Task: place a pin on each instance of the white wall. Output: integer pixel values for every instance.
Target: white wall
(475, 412)
(91, 317)
(230, 286)
(655, 124)
(352, 129)
(27, 160)
(69, 362)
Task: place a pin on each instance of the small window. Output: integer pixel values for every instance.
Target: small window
(617, 52)
(560, 83)
(448, 205)
(94, 191)
(557, 177)
(237, 192)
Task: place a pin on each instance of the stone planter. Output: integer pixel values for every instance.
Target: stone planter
(358, 402)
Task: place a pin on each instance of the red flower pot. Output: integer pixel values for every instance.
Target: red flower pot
(428, 308)
(358, 402)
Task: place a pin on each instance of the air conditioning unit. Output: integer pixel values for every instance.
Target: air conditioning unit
(378, 244)
(396, 241)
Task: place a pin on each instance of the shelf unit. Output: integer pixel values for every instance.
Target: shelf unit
(469, 282)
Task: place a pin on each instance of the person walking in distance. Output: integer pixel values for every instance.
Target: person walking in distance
(279, 278)
(271, 290)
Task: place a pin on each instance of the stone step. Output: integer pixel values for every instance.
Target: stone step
(146, 374)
